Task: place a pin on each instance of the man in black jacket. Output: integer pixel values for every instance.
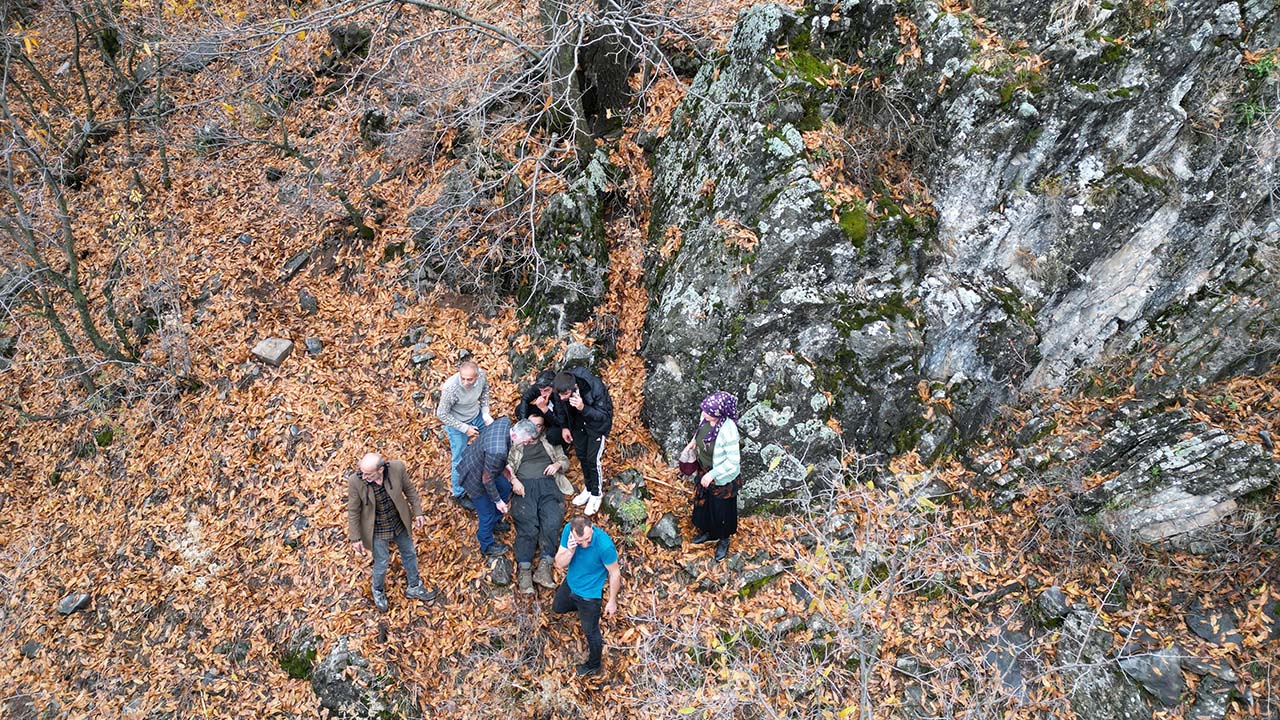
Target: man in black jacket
(585, 417)
(538, 399)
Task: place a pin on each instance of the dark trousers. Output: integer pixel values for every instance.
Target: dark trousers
(588, 616)
(487, 513)
(538, 515)
(589, 448)
(382, 556)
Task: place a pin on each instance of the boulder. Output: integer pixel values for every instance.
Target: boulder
(1217, 627)
(294, 265)
(754, 579)
(1159, 673)
(307, 302)
(666, 532)
(500, 571)
(273, 351)
(577, 355)
(1052, 605)
(421, 354)
(1213, 697)
(73, 602)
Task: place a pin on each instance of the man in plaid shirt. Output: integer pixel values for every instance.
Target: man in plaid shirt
(484, 476)
(381, 504)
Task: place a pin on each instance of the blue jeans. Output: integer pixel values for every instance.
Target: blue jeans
(458, 443)
(408, 558)
(487, 512)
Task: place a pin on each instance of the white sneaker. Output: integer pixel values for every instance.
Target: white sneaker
(582, 498)
(593, 505)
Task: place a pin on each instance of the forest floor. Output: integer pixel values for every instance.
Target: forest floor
(209, 514)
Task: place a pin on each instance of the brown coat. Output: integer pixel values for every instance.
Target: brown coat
(362, 505)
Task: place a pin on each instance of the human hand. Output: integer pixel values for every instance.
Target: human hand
(611, 608)
(517, 487)
(576, 401)
(690, 446)
(706, 480)
(472, 432)
(419, 521)
(552, 469)
(358, 547)
(568, 436)
(573, 542)
(503, 507)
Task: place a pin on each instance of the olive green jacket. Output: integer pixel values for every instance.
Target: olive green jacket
(557, 455)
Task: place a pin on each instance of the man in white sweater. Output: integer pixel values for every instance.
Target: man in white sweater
(464, 409)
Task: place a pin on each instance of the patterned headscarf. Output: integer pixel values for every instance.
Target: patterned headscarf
(719, 405)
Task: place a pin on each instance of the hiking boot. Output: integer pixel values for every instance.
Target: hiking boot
(593, 505)
(543, 575)
(524, 578)
(380, 600)
(464, 502)
(722, 549)
(702, 538)
(588, 670)
(420, 592)
(502, 527)
(495, 550)
(582, 498)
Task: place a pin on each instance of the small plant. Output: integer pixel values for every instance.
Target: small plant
(299, 664)
(632, 512)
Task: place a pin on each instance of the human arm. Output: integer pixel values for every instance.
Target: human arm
(615, 584)
(410, 490)
(564, 555)
(484, 399)
(449, 396)
(353, 518)
(726, 459)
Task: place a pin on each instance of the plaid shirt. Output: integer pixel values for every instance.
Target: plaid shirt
(386, 521)
(485, 459)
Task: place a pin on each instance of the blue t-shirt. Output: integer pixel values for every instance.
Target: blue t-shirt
(586, 574)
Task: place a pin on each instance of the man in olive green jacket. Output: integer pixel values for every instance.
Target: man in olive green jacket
(382, 505)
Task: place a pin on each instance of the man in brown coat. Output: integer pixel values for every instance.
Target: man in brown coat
(381, 504)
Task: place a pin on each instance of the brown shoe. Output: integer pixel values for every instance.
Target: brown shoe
(524, 578)
(543, 575)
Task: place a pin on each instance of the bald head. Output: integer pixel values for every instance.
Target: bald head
(369, 463)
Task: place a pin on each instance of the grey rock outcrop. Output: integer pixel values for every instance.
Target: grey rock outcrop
(1099, 690)
(575, 256)
(1176, 478)
(755, 289)
(348, 689)
(1080, 215)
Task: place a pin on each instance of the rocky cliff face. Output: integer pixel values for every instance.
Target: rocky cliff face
(1099, 181)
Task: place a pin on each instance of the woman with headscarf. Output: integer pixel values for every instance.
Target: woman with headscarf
(715, 503)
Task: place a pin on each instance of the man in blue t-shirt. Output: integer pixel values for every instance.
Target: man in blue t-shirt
(587, 556)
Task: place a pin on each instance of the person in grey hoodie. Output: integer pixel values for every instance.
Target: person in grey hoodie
(464, 409)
